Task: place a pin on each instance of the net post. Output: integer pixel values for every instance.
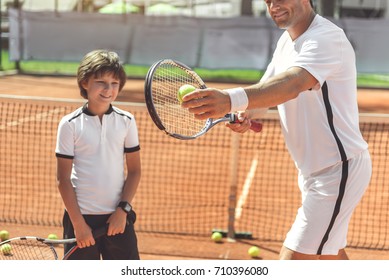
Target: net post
(234, 159)
(1, 38)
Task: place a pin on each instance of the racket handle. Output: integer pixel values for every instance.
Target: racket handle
(256, 126)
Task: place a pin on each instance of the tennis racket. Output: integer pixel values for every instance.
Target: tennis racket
(36, 248)
(162, 83)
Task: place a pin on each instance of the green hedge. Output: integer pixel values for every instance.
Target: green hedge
(136, 71)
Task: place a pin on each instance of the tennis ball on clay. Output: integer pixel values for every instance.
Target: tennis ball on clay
(4, 235)
(184, 90)
(52, 236)
(6, 249)
(217, 236)
(253, 251)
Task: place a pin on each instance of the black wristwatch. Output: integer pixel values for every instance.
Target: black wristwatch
(125, 206)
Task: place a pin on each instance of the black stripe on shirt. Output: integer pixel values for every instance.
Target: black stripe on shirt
(343, 181)
(122, 114)
(63, 156)
(132, 149)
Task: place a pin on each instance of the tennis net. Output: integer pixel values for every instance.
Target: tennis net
(186, 186)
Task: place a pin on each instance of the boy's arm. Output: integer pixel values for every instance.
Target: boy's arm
(82, 231)
(117, 221)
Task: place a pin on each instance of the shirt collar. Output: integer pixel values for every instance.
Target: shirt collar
(86, 111)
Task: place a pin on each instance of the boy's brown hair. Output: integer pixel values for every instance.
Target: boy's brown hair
(97, 63)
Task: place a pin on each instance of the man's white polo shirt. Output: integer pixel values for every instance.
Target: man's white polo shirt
(97, 149)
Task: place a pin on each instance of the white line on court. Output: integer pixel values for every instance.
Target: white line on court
(246, 187)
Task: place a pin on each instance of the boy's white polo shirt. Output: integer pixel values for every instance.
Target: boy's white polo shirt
(97, 149)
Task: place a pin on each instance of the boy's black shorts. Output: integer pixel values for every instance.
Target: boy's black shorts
(118, 247)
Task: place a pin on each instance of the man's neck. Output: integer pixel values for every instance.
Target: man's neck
(298, 30)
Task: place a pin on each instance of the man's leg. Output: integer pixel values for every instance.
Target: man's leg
(342, 255)
(287, 254)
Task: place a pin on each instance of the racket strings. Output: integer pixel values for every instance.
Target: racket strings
(28, 249)
(167, 80)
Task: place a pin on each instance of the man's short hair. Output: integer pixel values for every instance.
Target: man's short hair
(311, 2)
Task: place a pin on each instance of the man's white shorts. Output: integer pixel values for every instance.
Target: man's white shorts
(329, 198)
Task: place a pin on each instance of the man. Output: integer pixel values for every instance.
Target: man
(312, 80)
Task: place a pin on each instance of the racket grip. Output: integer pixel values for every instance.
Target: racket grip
(256, 126)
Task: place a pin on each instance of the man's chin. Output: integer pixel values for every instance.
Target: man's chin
(281, 24)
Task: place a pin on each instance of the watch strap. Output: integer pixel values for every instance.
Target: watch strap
(125, 206)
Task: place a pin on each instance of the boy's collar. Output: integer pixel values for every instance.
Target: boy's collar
(86, 111)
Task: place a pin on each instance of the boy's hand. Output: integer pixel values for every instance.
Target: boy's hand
(117, 222)
(84, 236)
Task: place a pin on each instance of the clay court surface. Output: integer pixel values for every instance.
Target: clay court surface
(370, 101)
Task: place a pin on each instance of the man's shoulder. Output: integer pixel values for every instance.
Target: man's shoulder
(324, 24)
(324, 31)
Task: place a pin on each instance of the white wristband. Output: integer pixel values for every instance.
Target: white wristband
(239, 100)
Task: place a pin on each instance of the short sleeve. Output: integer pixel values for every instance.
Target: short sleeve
(132, 139)
(65, 139)
(321, 56)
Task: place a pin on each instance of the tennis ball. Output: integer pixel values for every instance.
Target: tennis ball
(6, 249)
(217, 236)
(253, 251)
(52, 236)
(184, 90)
(4, 235)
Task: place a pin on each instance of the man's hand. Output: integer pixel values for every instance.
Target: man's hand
(207, 103)
(243, 124)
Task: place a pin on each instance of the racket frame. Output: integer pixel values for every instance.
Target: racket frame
(48, 242)
(209, 123)
(52, 242)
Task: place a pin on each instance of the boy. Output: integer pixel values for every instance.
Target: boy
(94, 143)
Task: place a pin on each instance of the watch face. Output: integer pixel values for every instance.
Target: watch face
(127, 207)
